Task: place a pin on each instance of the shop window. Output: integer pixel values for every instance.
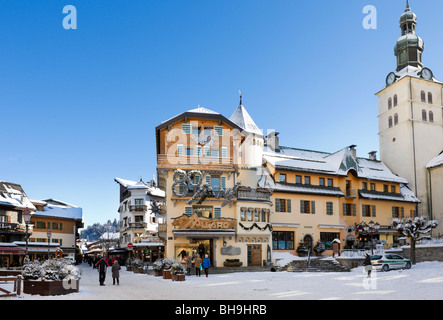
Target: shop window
(283, 240)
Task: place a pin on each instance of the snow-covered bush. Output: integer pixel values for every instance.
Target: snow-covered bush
(32, 270)
(158, 265)
(177, 268)
(137, 263)
(50, 270)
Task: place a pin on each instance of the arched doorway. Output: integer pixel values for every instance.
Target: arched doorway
(308, 241)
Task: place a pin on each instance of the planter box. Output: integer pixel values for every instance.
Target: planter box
(128, 268)
(233, 264)
(178, 277)
(167, 274)
(158, 273)
(50, 288)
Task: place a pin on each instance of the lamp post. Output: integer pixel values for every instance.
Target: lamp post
(27, 218)
(49, 239)
(371, 228)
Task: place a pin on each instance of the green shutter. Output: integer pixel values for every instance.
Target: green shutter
(188, 210)
(217, 212)
(393, 212)
(288, 205)
(402, 212)
(344, 209)
(354, 209)
(223, 182)
(208, 180)
(373, 211)
(277, 205)
(186, 128)
(218, 130)
(313, 207)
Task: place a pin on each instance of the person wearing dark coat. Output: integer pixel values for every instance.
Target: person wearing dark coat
(368, 264)
(102, 266)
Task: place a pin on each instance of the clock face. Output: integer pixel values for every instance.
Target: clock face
(426, 74)
(390, 79)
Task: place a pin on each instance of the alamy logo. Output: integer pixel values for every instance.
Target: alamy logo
(370, 20)
(70, 20)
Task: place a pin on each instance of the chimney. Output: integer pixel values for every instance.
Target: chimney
(273, 141)
(353, 151)
(373, 155)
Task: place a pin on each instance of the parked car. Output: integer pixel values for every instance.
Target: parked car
(70, 259)
(389, 261)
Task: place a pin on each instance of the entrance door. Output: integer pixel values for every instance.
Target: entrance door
(254, 255)
(308, 242)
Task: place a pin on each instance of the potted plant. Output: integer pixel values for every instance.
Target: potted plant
(129, 264)
(158, 267)
(319, 248)
(166, 267)
(301, 249)
(232, 263)
(178, 271)
(137, 266)
(53, 277)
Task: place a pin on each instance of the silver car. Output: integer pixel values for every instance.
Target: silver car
(390, 261)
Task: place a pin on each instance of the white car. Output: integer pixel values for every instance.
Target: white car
(390, 261)
(70, 259)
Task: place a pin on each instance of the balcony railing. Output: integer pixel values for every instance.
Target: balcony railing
(138, 208)
(137, 225)
(253, 194)
(351, 193)
(215, 163)
(14, 227)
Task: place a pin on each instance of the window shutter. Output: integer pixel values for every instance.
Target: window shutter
(373, 211)
(277, 205)
(188, 210)
(393, 212)
(186, 128)
(313, 207)
(363, 210)
(218, 130)
(402, 212)
(288, 205)
(224, 152)
(180, 150)
(354, 209)
(302, 206)
(217, 212)
(344, 209)
(223, 182)
(207, 151)
(198, 151)
(208, 180)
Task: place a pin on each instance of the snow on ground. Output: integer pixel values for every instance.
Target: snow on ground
(423, 281)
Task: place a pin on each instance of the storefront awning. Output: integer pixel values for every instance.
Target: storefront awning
(204, 233)
(12, 250)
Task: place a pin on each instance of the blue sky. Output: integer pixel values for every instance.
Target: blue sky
(79, 107)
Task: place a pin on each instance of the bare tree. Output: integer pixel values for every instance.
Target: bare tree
(416, 229)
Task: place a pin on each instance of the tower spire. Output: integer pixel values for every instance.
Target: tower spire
(239, 92)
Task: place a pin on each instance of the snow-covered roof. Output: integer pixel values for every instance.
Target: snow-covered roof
(242, 118)
(13, 195)
(435, 162)
(129, 184)
(61, 210)
(337, 163)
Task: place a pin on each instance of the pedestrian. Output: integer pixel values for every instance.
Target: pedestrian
(368, 265)
(102, 266)
(188, 265)
(198, 265)
(115, 272)
(206, 264)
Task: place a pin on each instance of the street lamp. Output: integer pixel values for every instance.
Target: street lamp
(371, 228)
(49, 239)
(27, 218)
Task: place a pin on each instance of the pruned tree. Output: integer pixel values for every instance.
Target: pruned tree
(415, 229)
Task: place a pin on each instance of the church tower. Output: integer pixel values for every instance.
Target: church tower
(410, 113)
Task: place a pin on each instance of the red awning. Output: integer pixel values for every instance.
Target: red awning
(12, 250)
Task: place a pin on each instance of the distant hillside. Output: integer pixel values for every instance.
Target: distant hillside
(95, 231)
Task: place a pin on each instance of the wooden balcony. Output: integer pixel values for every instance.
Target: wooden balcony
(195, 162)
(138, 208)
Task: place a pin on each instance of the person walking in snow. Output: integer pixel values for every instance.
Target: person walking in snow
(206, 264)
(102, 266)
(197, 264)
(188, 265)
(115, 272)
(368, 265)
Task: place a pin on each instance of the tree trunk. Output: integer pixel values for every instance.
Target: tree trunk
(413, 250)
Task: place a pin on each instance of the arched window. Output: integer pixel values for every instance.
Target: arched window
(390, 122)
(395, 119)
(423, 96)
(429, 97)
(389, 103)
(431, 116)
(395, 100)
(423, 115)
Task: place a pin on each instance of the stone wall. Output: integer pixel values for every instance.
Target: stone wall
(423, 253)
